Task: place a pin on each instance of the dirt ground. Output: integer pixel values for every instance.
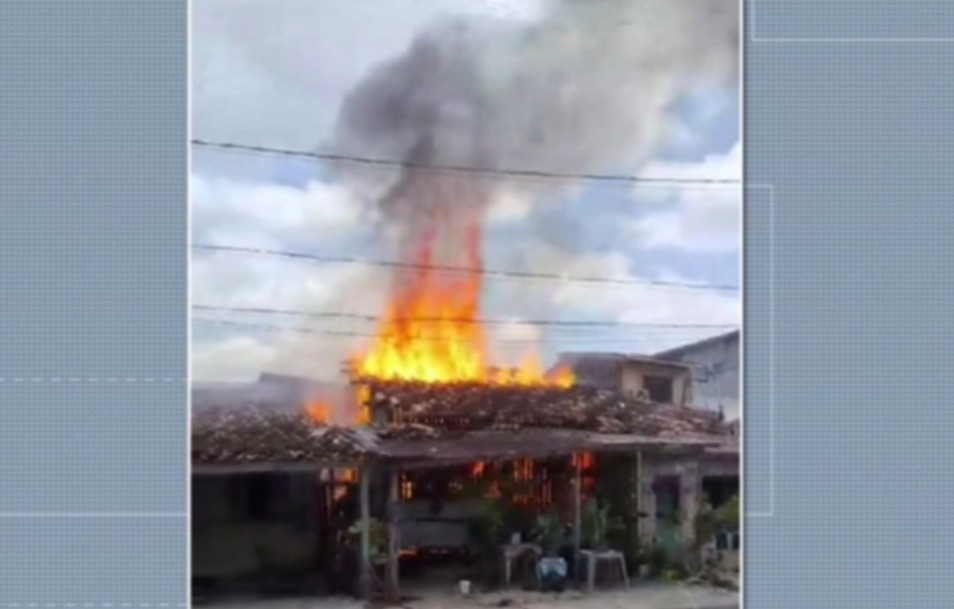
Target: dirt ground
(641, 596)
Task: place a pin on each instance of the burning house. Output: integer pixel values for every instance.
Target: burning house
(277, 487)
(432, 427)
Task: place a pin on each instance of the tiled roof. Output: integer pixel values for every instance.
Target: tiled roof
(447, 422)
(471, 406)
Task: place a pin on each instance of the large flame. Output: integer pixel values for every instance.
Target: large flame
(431, 331)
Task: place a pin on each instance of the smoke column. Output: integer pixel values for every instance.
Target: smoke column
(587, 88)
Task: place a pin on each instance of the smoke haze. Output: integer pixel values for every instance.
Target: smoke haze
(587, 88)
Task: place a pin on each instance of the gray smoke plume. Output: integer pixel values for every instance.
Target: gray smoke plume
(585, 89)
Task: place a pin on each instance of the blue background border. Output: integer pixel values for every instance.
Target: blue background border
(93, 332)
(848, 414)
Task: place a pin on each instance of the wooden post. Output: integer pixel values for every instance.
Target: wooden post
(365, 499)
(577, 516)
(394, 594)
(639, 498)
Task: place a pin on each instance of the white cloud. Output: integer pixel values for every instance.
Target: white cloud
(232, 280)
(222, 205)
(260, 281)
(261, 75)
(698, 218)
(271, 216)
(234, 358)
(638, 301)
(509, 207)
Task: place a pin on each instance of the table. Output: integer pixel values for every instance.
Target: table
(512, 552)
(615, 559)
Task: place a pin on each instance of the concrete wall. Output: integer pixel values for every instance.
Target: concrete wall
(227, 543)
(419, 527)
(633, 373)
(690, 471)
(715, 372)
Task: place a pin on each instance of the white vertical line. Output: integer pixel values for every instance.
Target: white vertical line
(741, 284)
(771, 356)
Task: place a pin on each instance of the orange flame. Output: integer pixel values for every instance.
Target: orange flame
(431, 331)
(319, 412)
(583, 461)
(364, 406)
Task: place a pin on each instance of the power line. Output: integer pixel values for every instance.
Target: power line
(525, 173)
(352, 334)
(460, 269)
(522, 322)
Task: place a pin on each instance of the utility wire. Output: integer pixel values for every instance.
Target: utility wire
(525, 173)
(522, 322)
(460, 269)
(352, 334)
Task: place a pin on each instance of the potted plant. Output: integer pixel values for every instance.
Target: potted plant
(598, 525)
(485, 534)
(638, 557)
(549, 532)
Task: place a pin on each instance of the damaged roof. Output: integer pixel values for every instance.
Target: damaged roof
(257, 435)
(444, 423)
(475, 406)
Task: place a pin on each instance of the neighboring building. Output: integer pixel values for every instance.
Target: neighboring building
(715, 371)
(248, 523)
(659, 381)
(275, 494)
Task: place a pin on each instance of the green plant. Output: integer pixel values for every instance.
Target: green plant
(710, 520)
(706, 524)
(549, 532)
(487, 531)
(379, 536)
(729, 514)
(599, 524)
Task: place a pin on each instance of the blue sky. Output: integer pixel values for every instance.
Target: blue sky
(282, 91)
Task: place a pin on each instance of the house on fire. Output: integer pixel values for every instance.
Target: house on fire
(277, 493)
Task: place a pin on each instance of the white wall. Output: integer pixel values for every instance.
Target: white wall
(715, 372)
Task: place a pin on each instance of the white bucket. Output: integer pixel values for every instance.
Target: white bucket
(464, 587)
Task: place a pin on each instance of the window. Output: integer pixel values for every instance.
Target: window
(659, 388)
(667, 491)
(727, 542)
(718, 490)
